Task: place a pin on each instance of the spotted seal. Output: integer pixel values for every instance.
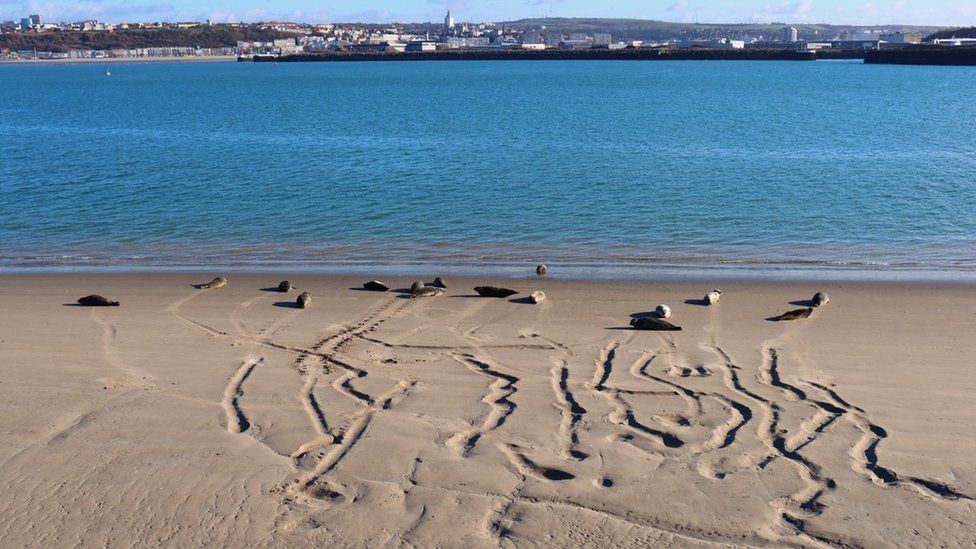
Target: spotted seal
(304, 300)
(218, 282)
(417, 286)
(376, 286)
(712, 297)
(493, 291)
(95, 300)
(662, 311)
(438, 283)
(650, 324)
(427, 291)
(795, 314)
(820, 299)
(537, 297)
(285, 286)
(541, 270)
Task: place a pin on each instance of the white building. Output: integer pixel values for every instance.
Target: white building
(790, 35)
(448, 23)
(602, 39)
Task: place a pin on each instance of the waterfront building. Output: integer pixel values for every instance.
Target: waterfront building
(790, 35)
(902, 38)
(602, 39)
(35, 21)
(421, 45)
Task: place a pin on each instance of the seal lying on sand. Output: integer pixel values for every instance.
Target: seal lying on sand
(416, 287)
(304, 300)
(492, 291)
(653, 325)
(97, 301)
(795, 315)
(376, 286)
(820, 299)
(537, 297)
(428, 291)
(662, 311)
(215, 283)
(541, 270)
(438, 283)
(285, 287)
(712, 297)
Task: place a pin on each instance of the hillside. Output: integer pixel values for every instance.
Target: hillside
(204, 37)
(967, 32)
(639, 29)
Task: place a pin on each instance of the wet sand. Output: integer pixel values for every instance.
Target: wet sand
(227, 417)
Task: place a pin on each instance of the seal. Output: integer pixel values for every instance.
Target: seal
(712, 297)
(541, 270)
(662, 311)
(820, 299)
(304, 300)
(376, 286)
(285, 287)
(215, 283)
(416, 287)
(493, 291)
(438, 283)
(537, 297)
(427, 291)
(95, 300)
(795, 315)
(653, 325)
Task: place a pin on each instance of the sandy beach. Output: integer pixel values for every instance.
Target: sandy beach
(228, 418)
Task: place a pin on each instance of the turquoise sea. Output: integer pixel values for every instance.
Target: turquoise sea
(610, 166)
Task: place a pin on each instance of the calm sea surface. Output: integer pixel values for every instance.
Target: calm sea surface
(615, 165)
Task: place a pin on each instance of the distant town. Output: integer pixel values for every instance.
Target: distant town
(32, 38)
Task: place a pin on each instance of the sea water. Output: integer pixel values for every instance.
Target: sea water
(620, 166)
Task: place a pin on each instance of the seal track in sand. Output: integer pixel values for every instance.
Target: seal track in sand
(497, 398)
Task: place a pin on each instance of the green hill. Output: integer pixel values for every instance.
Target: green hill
(205, 37)
(640, 29)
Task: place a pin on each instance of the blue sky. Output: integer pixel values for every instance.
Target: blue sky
(858, 12)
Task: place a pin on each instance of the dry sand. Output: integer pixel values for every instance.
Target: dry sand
(223, 418)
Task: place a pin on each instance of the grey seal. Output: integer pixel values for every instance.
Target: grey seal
(376, 286)
(304, 300)
(820, 299)
(712, 297)
(215, 283)
(285, 287)
(428, 291)
(537, 297)
(541, 270)
(493, 291)
(95, 300)
(795, 314)
(653, 325)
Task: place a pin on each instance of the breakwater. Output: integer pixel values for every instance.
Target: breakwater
(923, 55)
(634, 54)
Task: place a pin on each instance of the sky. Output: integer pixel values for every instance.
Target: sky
(846, 12)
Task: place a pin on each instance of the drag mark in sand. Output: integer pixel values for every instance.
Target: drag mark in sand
(237, 422)
(497, 398)
(623, 413)
(864, 454)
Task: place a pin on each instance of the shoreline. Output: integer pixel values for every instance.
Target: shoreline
(657, 273)
(174, 59)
